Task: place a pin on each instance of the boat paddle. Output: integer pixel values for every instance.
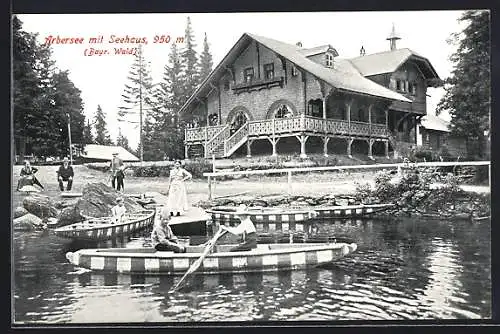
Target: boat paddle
(198, 262)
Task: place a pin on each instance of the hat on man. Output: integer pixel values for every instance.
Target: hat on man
(115, 153)
(119, 200)
(65, 159)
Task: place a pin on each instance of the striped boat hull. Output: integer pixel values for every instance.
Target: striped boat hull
(86, 231)
(350, 211)
(262, 259)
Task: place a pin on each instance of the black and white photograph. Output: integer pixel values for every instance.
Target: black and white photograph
(250, 167)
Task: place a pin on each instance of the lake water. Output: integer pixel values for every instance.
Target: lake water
(403, 269)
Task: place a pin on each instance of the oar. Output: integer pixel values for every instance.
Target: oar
(198, 262)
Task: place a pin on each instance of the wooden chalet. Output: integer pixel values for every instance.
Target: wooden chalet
(270, 97)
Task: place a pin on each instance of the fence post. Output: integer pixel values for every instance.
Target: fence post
(209, 188)
(289, 183)
(213, 163)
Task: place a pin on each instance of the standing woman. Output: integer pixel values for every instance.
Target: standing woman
(177, 197)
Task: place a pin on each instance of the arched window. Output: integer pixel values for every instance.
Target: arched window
(282, 112)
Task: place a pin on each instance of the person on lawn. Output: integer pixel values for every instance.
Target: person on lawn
(65, 174)
(28, 177)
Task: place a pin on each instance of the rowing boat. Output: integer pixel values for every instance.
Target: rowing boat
(266, 257)
(105, 228)
(262, 214)
(350, 211)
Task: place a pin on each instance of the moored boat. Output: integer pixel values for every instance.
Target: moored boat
(351, 211)
(104, 228)
(266, 257)
(262, 214)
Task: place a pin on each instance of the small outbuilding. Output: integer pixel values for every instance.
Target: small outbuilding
(99, 153)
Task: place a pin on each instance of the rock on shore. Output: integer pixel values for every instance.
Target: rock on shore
(40, 205)
(97, 201)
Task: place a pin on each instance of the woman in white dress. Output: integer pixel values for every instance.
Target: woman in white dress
(177, 202)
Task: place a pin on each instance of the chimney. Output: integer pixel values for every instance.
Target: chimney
(362, 51)
(393, 37)
(299, 44)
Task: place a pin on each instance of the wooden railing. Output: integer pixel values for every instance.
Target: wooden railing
(218, 139)
(241, 133)
(278, 126)
(199, 133)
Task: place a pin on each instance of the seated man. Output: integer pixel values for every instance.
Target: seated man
(246, 228)
(118, 211)
(28, 177)
(65, 174)
(163, 238)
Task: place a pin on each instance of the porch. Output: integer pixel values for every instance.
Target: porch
(222, 141)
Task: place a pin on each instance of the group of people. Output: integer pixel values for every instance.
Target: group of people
(177, 203)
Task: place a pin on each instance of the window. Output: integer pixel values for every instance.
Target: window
(329, 60)
(248, 74)
(294, 71)
(413, 88)
(282, 112)
(226, 84)
(269, 71)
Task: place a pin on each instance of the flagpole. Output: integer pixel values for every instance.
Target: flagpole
(69, 136)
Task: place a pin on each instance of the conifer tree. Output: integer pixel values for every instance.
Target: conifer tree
(206, 62)
(122, 140)
(102, 136)
(467, 92)
(190, 59)
(87, 134)
(137, 96)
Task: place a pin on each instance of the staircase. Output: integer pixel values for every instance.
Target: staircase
(236, 140)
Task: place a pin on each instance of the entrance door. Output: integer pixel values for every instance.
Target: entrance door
(238, 120)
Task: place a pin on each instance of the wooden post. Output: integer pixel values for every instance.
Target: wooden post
(386, 149)
(303, 140)
(186, 151)
(289, 183)
(206, 139)
(209, 188)
(274, 142)
(370, 146)
(370, 118)
(348, 107)
(324, 107)
(325, 146)
(213, 163)
(249, 149)
(349, 143)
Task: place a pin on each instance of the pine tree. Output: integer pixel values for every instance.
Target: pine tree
(102, 136)
(138, 95)
(122, 140)
(87, 134)
(467, 91)
(190, 59)
(206, 62)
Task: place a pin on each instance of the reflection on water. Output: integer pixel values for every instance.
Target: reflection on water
(404, 269)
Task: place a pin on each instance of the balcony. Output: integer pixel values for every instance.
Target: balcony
(294, 125)
(257, 84)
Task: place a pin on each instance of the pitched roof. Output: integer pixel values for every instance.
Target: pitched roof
(104, 152)
(389, 61)
(432, 122)
(342, 77)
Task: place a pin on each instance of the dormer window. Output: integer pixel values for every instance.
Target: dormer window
(269, 71)
(248, 74)
(329, 59)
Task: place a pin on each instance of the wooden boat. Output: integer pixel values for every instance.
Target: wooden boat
(262, 214)
(104, 228)
(350, 211)
(266, 257)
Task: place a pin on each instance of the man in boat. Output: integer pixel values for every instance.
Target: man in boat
(28, 177)
(118, 210)
(163, 238)
(65, 174)
(246, 229)
(117, 174)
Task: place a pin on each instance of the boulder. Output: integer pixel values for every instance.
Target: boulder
(97, 201)
(40, 205)
(19, 212)
(28, 222)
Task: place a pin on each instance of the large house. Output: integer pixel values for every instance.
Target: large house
(270, 97)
